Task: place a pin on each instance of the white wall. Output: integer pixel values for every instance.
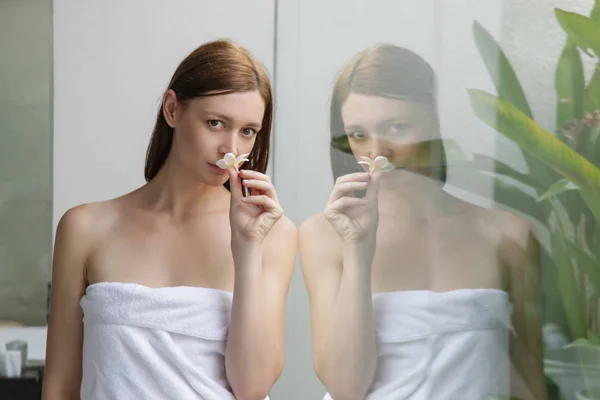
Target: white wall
(112, 61)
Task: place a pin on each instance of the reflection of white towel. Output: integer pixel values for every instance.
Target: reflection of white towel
(154, 343)
(441, 345)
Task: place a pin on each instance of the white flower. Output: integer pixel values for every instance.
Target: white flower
(230, 161)
(380, 163)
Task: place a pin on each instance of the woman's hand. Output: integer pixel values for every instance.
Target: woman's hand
(252, 217)
(354, 219)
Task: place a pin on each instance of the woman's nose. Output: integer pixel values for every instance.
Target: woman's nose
(228, 145)
(379, 147)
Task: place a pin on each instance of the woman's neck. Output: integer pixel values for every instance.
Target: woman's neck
(405, 192)
(175, 191)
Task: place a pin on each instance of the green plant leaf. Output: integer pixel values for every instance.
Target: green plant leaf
(535, 140)
(557, 188)
(508, 86)
(505, 193)
(582, 30)
(587, 264)
(563, 220)
(582, 343)
(488, 164)
(595, 14)
(500, 69)
(569, 83)
(569, 290)
(594, 134)
(593, 202)
(591, 100)
(341, 143)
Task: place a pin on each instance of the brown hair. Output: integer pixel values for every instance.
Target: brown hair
(214, 68)
(388, 71)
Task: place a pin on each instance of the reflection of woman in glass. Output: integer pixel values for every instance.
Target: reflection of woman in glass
(414, 294)
(181, 283)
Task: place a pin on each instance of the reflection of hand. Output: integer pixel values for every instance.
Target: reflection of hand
(354, 219)
(252, 217)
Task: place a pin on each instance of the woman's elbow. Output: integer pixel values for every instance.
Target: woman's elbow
(51, 392)
(251, 392)
(257, 389)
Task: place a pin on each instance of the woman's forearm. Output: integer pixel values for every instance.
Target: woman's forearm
(348, 366)
(254, 353)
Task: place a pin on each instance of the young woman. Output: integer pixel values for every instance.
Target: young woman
(177, 290)
(411, 289)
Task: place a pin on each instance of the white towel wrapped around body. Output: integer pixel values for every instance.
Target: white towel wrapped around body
(154, 343)
(441, 345)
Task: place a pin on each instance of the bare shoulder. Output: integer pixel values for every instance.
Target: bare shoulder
(513, 226)
(87, 220)
(517, 244)
(79, 231)
(501, 226)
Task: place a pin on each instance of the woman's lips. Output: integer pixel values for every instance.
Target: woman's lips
(216, 169)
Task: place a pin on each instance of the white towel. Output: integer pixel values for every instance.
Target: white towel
(441, 345)
(154, 343)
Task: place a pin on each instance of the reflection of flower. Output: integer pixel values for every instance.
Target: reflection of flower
(380, 163)
(230, 161)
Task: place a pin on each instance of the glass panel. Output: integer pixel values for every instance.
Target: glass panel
(477, 255)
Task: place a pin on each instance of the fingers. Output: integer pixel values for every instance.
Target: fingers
(266, 187)
(345, 203)
(235, 184)
(344, 189)
(262, 200)
(357, 176)
(373, 187)
(250, 174)
(346, 184)
(258, 180)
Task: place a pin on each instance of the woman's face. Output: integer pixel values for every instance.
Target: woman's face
(207, 128)
(390, 127)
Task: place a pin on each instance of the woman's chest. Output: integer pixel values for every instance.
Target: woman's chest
(197, 255)
(437, 257)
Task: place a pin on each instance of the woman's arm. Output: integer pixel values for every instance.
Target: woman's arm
(521, 254)
(62, 378)
(255, 345)
(338, 281)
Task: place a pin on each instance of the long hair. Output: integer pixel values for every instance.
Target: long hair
(387, 71)
(214, 68)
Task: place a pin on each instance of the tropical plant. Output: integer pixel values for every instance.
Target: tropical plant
(563, 168)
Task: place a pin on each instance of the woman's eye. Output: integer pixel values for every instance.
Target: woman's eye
(358, 135)
(249, 132)
(215, 123)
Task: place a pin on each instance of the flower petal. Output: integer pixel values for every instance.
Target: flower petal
(243, 157)
(388, 167)
(366, 159)
(365, 163)
(380, 161)
(239, 161)
(222, 164)
(229, 159)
